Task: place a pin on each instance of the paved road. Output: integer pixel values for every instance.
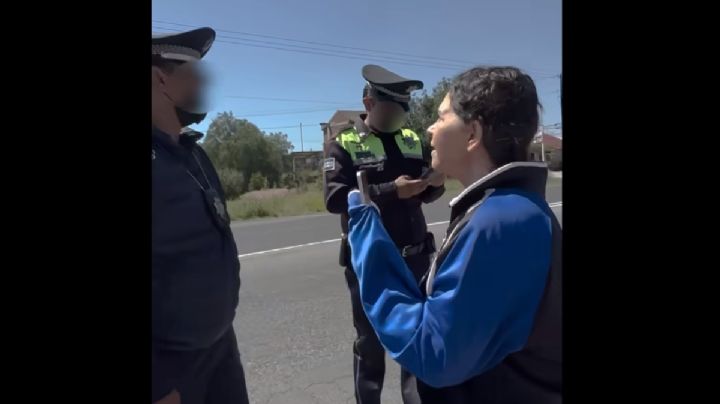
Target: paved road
(293, 324)
(267, 234)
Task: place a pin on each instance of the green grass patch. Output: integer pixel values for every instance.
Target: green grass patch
(298, 202)
(293, 204)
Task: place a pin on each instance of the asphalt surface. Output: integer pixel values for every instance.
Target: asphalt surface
(267, 234)
(293, 323)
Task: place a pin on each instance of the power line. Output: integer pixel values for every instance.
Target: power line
(321, 43)
(346, 53)
(307, 108)
(306, 125)
(282, 127)
(302, 100)
(363, 58)
(427, 62)
(244, 97)
(324, 52)
(367, 59)
(257, 114)
(287, 99)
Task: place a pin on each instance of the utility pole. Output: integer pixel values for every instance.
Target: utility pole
(301, 138)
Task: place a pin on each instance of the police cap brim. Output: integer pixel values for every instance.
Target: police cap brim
(390, 84)
(185, 46)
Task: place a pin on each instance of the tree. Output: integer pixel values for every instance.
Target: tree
(280, 161)
(281, 142)
(423, 108)
(257, 182)
(232, 182)
(237, 144)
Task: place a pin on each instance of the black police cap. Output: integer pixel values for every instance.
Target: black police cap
(389, 84)
(186, 46)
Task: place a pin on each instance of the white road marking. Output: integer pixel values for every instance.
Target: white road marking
(552, 205)
(288, 248)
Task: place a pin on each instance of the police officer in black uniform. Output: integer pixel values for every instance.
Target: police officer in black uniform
(195, 266)
(400, 180)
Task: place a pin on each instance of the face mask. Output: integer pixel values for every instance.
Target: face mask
(188, 118)
(386, 121)
(389, 124)
(189, 111)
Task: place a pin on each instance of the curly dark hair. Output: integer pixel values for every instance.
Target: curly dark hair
(505, 101)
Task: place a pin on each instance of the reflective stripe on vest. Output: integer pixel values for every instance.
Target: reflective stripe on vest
(409, 144)
(370, 150)
(363, 151)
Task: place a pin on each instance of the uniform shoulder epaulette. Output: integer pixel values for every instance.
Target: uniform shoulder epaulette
(345, 127)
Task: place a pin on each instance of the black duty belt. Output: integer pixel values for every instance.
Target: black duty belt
(426, 246)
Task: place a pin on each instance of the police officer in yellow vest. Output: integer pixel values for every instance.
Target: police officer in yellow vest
(400, 181)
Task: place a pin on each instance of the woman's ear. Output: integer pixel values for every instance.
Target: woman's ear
(476, 134)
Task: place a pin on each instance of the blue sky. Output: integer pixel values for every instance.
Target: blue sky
(442, 36)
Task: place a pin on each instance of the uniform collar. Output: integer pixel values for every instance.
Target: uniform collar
(526, 176)
(161, 137)
(364, 130)
(187, 139)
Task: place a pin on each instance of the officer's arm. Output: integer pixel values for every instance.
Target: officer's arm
(485, 294)
(383, 192)
(430, 194)
(339, 177)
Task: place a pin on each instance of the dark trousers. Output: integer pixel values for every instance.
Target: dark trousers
(369, 358)
(210, 376)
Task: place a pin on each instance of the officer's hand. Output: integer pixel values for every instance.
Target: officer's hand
(408, 187)
(172, 398)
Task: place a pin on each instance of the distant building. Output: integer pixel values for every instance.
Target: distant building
(552, 146)
(339, 120)
(309, 160)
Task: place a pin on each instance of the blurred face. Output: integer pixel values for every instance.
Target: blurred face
(452, 141)
(385, 116)
(183, 85)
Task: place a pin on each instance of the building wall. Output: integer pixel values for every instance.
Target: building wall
(553, 158)
(308, 161)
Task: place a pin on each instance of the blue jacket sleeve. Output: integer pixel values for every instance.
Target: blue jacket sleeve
(484, 296)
